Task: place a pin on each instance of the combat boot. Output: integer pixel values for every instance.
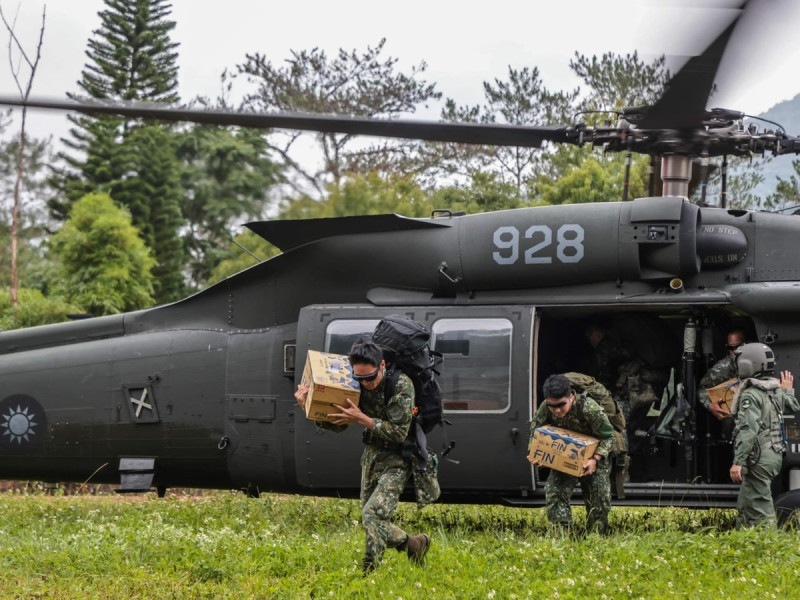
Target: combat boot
(367, 566)
(417, 547)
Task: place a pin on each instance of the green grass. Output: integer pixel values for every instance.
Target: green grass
(229, 546)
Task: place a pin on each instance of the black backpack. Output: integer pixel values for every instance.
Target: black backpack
(406, 349)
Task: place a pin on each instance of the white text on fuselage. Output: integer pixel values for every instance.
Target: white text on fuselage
(537, 244)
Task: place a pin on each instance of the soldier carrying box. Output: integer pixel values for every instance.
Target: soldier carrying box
(581, 415)
(721, 372)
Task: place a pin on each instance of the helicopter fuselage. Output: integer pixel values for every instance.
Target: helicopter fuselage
(199, 393)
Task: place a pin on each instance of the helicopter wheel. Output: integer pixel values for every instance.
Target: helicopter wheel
(787, 509)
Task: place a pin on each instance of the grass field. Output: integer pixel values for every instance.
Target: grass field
(229, 546)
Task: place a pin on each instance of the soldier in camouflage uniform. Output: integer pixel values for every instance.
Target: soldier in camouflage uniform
(607, 358)
(721, 371)
(384, 470)
(583, 415)
(759, 439)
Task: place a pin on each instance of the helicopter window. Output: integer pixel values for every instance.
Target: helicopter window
(341, 333)
(476, 375)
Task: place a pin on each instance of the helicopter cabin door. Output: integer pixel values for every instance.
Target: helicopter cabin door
(486, 383)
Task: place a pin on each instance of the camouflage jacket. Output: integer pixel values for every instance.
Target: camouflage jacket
(392, 418)
(721, 371)
(594, 422)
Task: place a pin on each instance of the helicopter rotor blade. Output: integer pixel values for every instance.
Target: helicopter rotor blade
(432, 131)
(683, 104)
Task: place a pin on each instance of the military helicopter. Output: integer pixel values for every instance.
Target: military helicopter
(199, 393)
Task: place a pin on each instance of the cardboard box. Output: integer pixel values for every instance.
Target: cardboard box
(723, 393)
(332, 384)
(562, 449)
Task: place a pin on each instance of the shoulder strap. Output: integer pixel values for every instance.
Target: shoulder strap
(392, 375)
(580, 402)
(774, 402)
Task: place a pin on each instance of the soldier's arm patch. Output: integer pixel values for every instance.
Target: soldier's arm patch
(745, 403)
(395, 412)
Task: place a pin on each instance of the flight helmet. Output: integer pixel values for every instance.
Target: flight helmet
(754, 359)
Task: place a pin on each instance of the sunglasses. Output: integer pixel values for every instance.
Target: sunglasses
(733, 346)
(555, 405)
(368, 377)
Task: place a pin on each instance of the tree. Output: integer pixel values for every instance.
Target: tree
(34, 308)
(24, 92)
(363, 195)
(787, 191)
(522, 99)
(151, 191)
(596, 180)
(104, 266)
(226, 176)
(614, 82)
(359, 84)
(484, 193)
(131, 57)
(32, 222)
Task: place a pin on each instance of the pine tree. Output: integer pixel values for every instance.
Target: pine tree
(153, 195)
(131, 57)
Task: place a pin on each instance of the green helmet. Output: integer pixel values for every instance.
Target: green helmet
(753, 360)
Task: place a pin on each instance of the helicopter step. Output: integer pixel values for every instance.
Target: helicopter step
(653, 494)
(136, 475)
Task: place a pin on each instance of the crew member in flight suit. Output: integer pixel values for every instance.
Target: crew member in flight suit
(759, 437)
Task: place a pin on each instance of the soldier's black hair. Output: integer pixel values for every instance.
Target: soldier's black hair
(365, 352)
(556, 386)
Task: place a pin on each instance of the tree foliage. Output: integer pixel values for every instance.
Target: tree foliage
(34, 309)
(33, 221)
(104, 266)
(131, 57)
(226, 177)
(482, 193)
(521, 99)
(363, 195)
(597, 179)
(614, 81)
(787, 191)
(151, 191)
(354, 83)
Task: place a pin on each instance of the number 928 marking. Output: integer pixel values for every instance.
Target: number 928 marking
(538, 251)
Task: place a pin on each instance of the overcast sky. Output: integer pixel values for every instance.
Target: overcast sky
(464, 43)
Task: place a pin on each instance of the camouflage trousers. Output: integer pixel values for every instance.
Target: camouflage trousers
(755, 496)
(596, 489)
(383, 477)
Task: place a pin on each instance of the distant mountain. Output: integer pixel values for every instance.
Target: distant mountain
(786, 113)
